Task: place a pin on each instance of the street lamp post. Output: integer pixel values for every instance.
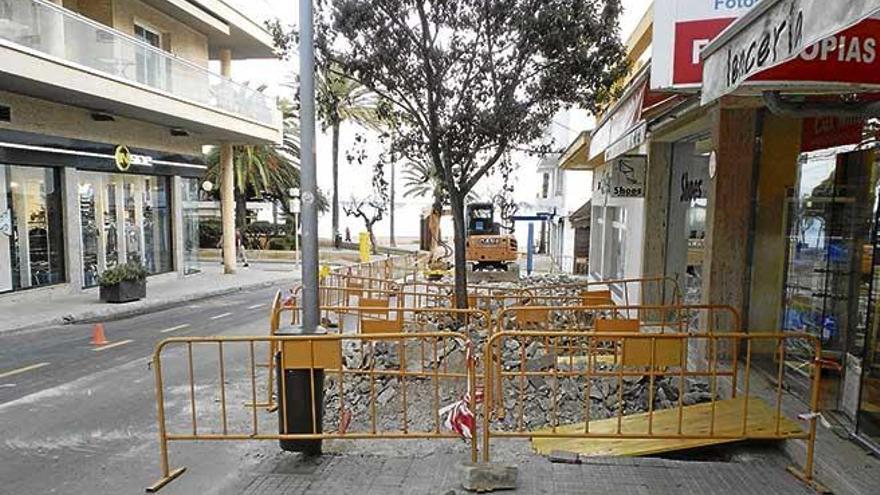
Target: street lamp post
(302, 399)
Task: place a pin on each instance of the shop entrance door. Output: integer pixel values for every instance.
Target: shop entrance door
(125, 219)
(829, 258)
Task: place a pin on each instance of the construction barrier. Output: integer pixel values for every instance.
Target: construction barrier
(358, 369)
(561, 371)
(688, 383)
(681, 318)
(375, 316)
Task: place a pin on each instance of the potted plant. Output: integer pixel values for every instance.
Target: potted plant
(123, 283)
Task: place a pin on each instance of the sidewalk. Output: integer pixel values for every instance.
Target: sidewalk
(841, 464)
(48, 307)
(438, 474)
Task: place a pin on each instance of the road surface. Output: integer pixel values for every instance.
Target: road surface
(76, 418)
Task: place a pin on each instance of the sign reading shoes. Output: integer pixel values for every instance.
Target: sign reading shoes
(125, 159)
(777, 31)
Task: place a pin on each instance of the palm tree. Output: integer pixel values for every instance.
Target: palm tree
(421, 179)
(264, 171)
(340, 99)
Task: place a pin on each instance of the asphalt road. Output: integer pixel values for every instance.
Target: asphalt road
(81, 419)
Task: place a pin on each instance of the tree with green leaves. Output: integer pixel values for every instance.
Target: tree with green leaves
(468, 81)
(338, 99)
(264, 172)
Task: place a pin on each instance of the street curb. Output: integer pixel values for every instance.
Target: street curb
(141, 308)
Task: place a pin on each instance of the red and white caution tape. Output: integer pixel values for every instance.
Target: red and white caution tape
(458, 415)
(809, 416)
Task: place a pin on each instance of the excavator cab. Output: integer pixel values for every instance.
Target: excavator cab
(481, 219)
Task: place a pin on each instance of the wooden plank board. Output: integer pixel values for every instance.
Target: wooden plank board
(695, 420)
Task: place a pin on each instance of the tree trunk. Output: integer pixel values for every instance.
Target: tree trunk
(456, 202)
(335, 206)
(372, 239)
(240, 211)
(392, 241)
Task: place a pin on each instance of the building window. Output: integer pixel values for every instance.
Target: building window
(597, 231)
(148, 62)
(31, 232)
(124, 218)
(189, 195)
(617, 256)
(559, 185)
(545, 186)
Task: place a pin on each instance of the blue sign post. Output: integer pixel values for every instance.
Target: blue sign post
(530, 247)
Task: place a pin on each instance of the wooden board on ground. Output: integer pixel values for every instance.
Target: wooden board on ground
(696, 420)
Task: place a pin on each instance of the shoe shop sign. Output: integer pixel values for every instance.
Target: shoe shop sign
(777, 31)
(622, 177)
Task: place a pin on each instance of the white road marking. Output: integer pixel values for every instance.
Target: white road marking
(255, 306)
(24, 369)
(221, 315)
(111, 346)
(178, 327)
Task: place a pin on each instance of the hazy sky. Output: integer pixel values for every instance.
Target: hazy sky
(354, 179)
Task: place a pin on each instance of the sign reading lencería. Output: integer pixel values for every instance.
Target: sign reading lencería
(778, 31)
(684, 28)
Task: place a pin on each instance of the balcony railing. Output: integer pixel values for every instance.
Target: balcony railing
(53, 30)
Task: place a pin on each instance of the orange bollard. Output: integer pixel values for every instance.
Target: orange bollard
(98, 337)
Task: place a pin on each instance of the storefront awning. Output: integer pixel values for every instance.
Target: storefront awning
(576, 156)
(772, 33)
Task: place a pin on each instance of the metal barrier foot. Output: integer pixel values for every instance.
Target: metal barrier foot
(173, 475)
(811, 482)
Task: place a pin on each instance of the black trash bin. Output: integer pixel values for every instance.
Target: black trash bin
(295, 401)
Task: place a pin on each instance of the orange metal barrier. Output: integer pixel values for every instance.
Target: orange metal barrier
(568, 384)
(681, 318)
(351, 363)
(627, 291)
(375, 317)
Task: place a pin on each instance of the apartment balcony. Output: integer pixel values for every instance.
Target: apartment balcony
(51, 53)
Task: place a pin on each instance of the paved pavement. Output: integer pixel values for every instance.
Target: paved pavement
(438, 474)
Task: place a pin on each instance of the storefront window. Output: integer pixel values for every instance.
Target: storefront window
(597, 231)
(617, 261)
(685, 243)
(125, 218)
(189, 194)
(31, 233)
(828, 291)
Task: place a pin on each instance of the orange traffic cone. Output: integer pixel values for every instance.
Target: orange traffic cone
(98, 337)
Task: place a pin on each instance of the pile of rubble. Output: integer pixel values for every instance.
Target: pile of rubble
(534, 401)
(377, 399)
(373, 401)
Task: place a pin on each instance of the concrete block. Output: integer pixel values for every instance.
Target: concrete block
(482, 478)
(564, 457)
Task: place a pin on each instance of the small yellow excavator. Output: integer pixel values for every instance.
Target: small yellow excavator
(489, 251)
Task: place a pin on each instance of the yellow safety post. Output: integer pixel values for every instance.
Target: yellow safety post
(323, 273)
(364, 241)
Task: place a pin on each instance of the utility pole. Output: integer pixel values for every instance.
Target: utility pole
(308, 173)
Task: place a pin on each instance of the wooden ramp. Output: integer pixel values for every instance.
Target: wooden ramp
(695, 420)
